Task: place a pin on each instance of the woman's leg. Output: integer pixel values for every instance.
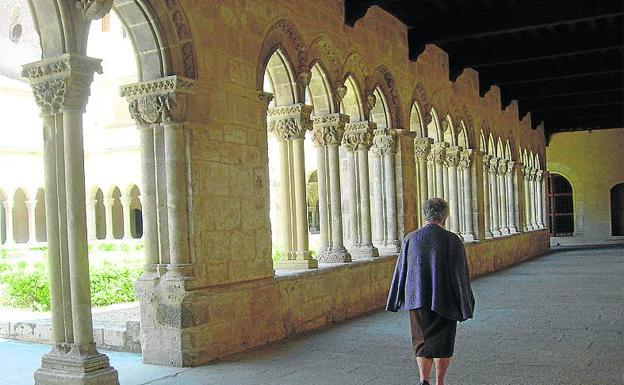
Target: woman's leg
(424, 367)
(441, 364)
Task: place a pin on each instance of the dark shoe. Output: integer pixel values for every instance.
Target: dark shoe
(424, 383)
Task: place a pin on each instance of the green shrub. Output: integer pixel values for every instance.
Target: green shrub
(111, 285)
(28, 290)
(106, 246)
(124, 247)
(38, 248)
(139, 246)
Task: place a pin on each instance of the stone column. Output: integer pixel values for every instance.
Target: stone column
(357, 141)
(540, 200)
(527, 198)
(502, 194)
(438, 153)
(289, 125)
(62, 84)
(31, 206)
(108, 209)
(452, 160)
(91, 219)
(384, 150)
(431, 181)
(511, 202)
(487, 202)
(159, 109)
(465, 163)
(494, 196)
(127, 217)
(422, 147)
(534, 199)
(8, 209)
(327, 134)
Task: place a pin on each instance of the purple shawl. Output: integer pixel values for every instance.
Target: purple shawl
(432, 273)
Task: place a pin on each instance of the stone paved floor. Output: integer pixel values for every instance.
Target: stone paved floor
(556, 320)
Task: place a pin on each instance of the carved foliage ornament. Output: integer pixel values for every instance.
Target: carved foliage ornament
(62, 82)
(452, 157)
(358, 136)
(290, 122)
(157, 101)
(94, 9)
(422, 147)
(438, 154)
(465, 159)
(328, 129)
(383, 144)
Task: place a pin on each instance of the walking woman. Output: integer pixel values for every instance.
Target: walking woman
(431, 280)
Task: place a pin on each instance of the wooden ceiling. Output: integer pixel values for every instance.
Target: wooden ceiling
(562, 60)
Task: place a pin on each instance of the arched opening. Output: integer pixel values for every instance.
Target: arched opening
(617, 210)
(135, 208)
(434, 128)
(416, 121)
(40, 218)
(20, 217)
(561, 208)
(314, 225)
(351, 103)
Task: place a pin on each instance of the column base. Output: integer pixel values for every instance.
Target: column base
(178, 272)
(496, 233)
(296, 264)
(363, 251)
(468, 237)
(513, 230)
(59, 368)
(505, 231)
(390, 248)
(334, 255)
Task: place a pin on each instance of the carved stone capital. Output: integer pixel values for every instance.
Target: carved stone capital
(494, 165)
(422, 148)
(384, 142)
(62, 83)
(341, 91)
(452, 156)
(486, 162)
(510, 167)
(158, 101)
(265, 97)
(526, 172)
(94, 9)
(358, 135)
(539, 175)
(438, 153)
(290, 122)
(465, 158)
(502, 166)
(328, 129)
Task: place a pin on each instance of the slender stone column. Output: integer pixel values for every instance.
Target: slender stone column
(502, 194)
(511, 215)
(527, 198)
(540, 200)
(378, 208)
(108, 208)
(465, 162)
(159, 109)
(357, 141)
(422, 147)
(431, 181)
(439, 158)
(452, 160)
(327, 134)
(8, 209)
(289, 125)
(31, 207)
(534, 199)
(384, 151)
(127, 217)
(494, 196)
(91, 219)
(487, 202)
(62, 84)
(445, 174)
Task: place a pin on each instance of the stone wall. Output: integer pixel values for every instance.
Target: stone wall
(590, 161)
(220, 321)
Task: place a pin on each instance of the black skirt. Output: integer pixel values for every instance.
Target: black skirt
(433, 336)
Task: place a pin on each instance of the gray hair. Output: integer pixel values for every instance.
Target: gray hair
(435, 209)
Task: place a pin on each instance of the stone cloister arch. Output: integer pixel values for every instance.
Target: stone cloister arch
(3, 217)
(166, 64)
(22, 217)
